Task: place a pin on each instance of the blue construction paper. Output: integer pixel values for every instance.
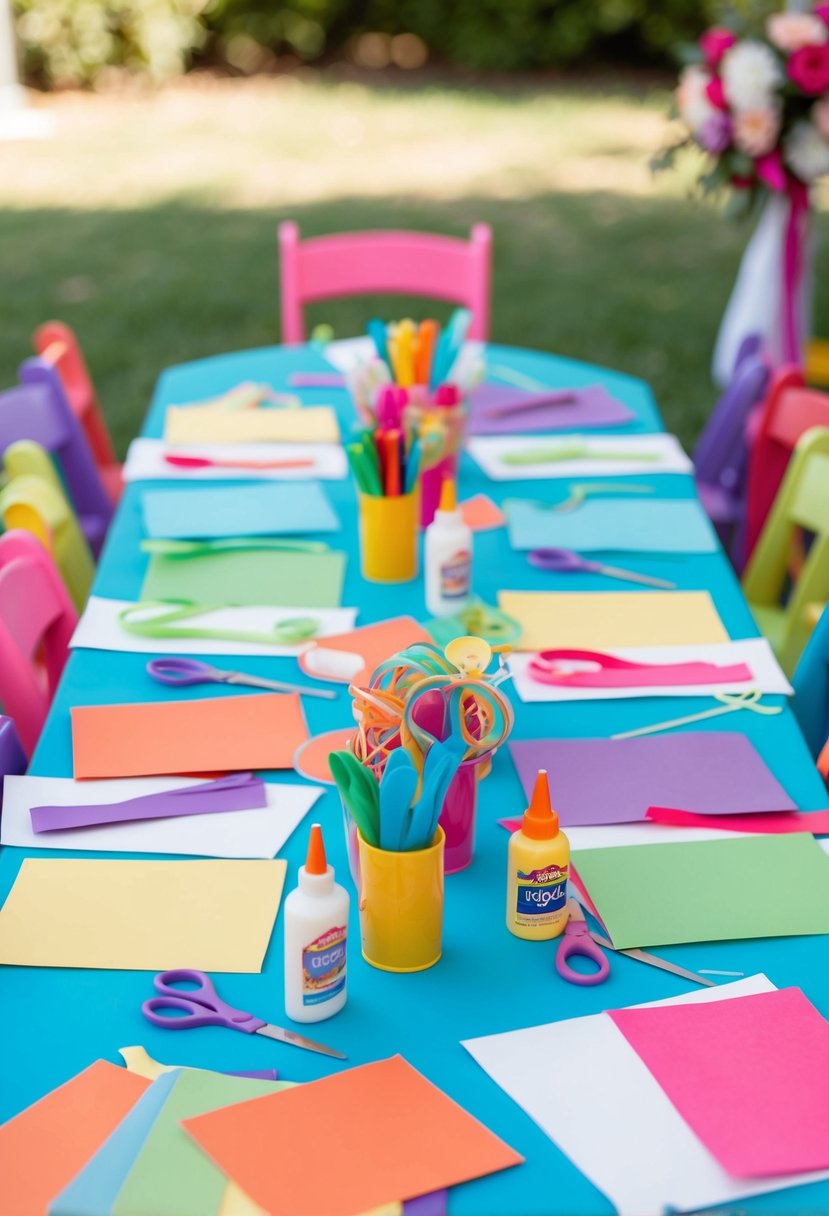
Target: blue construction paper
(204, 513)
(646, 525)
(94, 1190)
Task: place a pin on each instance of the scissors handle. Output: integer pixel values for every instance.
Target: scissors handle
(577, 941)
(182, 672)
(199, 1006)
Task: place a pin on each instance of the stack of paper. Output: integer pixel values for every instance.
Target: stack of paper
(147, 461)
(219, 511)
(207, 425)
(523, 457)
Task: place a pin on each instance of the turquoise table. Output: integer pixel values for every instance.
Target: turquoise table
(55, 1022)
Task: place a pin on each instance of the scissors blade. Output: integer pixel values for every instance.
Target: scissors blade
(631, 576)
(653, 960)
(276, 685)
(297, 1040)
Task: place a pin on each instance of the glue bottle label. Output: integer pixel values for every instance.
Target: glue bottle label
(323, 967)
(541, 895)
(455, 574)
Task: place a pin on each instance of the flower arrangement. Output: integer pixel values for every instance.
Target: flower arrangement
(755, 99)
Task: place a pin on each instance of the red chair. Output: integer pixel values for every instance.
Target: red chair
(369, 263)
(789, 410)
(36, 622)
(58, 346)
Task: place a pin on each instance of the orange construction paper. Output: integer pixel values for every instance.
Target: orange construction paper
(480, 513)
(44, 1147)
(221, 734)
(383, 1131)
(374, 644)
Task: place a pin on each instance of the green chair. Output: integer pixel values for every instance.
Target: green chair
(788, 573)
(34, 500)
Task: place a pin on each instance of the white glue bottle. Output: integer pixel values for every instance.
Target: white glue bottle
(316, 925)
(447, 557)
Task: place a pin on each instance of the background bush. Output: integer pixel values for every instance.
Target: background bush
(71, 42)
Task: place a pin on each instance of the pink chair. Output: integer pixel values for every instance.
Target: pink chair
(789, 410)
(368, 263)
(36, 622)
(58, 346)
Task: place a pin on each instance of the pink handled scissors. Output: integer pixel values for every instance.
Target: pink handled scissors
(202, 1006)
(566, 561)
(578, 941)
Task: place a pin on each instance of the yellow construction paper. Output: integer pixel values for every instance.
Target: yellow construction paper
(236, 1202)
(141, 915)
(204, 424)
(598, 620)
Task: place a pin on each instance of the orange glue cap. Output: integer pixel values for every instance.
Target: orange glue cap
(448, 495)
(316, 861)
(540, 820)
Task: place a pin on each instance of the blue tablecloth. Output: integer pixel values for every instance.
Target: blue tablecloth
(54, 1022)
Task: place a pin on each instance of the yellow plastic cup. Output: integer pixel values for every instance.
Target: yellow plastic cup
(388, 537)
(401, 906)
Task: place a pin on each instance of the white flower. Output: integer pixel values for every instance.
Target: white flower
(750, 73)
(806, 152)
(691, 98)
(790, 31)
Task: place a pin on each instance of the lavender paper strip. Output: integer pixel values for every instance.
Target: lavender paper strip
(240, 792)
(433, 1204)
(593, 407)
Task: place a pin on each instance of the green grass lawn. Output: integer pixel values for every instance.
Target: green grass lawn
(149, 224)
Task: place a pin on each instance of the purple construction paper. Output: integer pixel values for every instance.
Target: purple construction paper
(433, 1204)
(204, 799)
(595, 781)
(593, 407)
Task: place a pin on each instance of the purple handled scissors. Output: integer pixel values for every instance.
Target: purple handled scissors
(565, 561)
(182, 672)
(202, 1006)
(577, 940)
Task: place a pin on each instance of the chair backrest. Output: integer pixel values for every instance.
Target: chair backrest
(12, 755)
(811, 688)
(801, 506)
(721, 454)
(58, 346)
(366, 263)
(38, 410)
(34, 501)
(789, 410)
(36, 622)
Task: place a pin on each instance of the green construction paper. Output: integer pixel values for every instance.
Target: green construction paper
(708, 890)
(248, 576)
(171, 1175)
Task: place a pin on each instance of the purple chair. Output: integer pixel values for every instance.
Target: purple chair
(12, 756)
(38, 409)
(721, 455)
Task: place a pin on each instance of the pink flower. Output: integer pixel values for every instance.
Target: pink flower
(822, 11)
(756, 131)
(791, 31)
(714, 92)
(808, 68)
(715, 133)
(715, 42)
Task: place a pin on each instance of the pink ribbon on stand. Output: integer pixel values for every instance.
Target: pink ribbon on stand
(771, 171)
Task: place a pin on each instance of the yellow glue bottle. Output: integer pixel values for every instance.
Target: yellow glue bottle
(538, 867)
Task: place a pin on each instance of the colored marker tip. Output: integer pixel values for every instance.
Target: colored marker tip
(540, 820)
(316, 861)
(448, 495)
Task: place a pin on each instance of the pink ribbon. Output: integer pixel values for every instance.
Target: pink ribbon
(770, 170)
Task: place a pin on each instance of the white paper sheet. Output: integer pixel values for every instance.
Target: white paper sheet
(145, 461)
(259, 833)
(754, 652)
(100, 629)
(586, 1087)
(487, 450)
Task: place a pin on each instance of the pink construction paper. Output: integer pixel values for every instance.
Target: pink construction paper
(749, 1076)
(596, 781)
(592, 407)
(816, 822)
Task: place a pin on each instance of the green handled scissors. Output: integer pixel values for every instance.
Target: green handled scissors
(575, 451)
(166, 620)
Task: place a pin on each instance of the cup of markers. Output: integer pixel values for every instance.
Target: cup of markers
(386, 469)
